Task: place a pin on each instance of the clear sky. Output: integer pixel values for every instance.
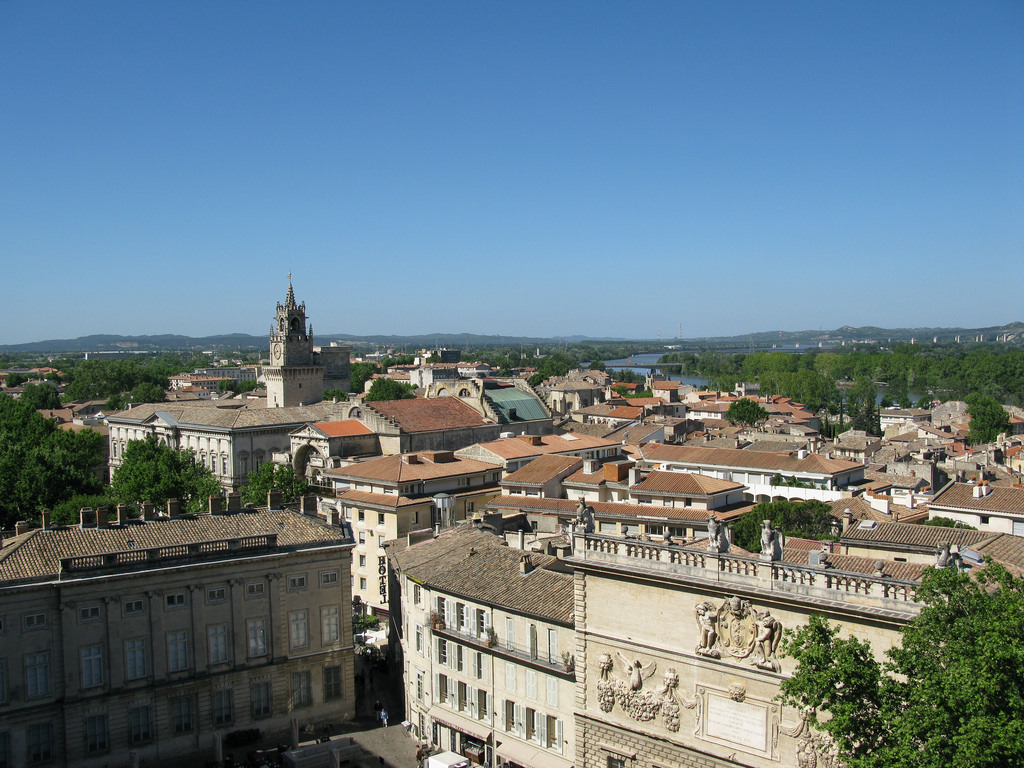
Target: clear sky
(534, 168)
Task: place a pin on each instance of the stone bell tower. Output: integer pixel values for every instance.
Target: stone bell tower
(293, 376)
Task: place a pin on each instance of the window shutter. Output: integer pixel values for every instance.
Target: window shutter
(558, 735)
(520, 720)
(531, 684)
(552, 683)
(542, 728)
(437, 689)
(510, 677)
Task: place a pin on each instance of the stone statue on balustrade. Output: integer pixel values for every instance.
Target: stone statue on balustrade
(718, 540)
(584, 518)
(771, 542)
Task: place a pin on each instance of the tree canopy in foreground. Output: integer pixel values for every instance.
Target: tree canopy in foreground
(273, 477)
(746, 412)
(950, 696)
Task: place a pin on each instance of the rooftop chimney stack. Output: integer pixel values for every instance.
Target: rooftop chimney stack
(148, 510)
(44, 517)
(85, 517)
(173, 508)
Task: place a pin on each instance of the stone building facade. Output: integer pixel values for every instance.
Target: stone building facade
(158, 637)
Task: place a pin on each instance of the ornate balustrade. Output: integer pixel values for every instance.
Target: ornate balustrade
(168, 554)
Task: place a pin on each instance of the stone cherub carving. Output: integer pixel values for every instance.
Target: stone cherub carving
(766, 642)
(707, 617)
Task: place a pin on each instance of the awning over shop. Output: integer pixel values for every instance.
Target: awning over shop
(529, 755)
(444, 717)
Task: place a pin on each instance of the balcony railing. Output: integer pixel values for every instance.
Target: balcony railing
(522, 654)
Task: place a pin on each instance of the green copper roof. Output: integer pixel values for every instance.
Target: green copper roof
(515, 405)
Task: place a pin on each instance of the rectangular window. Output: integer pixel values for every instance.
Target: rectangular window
(259, 694)
(296, 582)
(482, 710)
(510, 633)
(552, 690)
(417, 594)
(34, 621)
(37, 675)
(139, 728)
(553, 734)
(256, 629)
(552, 646)
(302, 692)
(362, 583)
(460, 661)
(362, 537)
(328, 578)
(616, 762)
(254, 589)
(462, 699)
(298, 629)
(92, 666)
(134, 659)
(332, 683)
(177, 651)
(217, 636)
(442, 689)
(362, 561)
(134, 607)
(175, 600)
(330, 624)
(222, 707)
(478, 665)
(510, 716)
(181, 714)
(95, 734)
(419, 686)
(216, 595)
(419, 638)
(531, 724)
(481, 622)
(531, 683)
(39, 742)
(89, 613)
(442, 652)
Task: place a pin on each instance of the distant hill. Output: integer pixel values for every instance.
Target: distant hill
(1013, 332)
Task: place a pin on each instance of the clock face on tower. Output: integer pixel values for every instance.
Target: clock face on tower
(276, 351)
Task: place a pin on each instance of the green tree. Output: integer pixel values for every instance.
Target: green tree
(40, 397)
(950, 695)
(335, 394)
(947, 522)
(148, 392)
(66, 512)
(389, 389)
(988, 418)
(273, 477)
(15, 379)
(152, 471)
(227, 385)
(41, 464)
(863, 409)
(805, 519)
(746, 412)
(358, 373)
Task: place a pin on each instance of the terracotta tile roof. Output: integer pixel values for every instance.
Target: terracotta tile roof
(542, 469)
(664, 385)
(642, 401)
(37, 554)
(343, 428)
(429, 415)
(917, 536)
(405, 468)
(684, 483)
(625, 412)
(212, 414)
(477, 565)
(1007, 500)
(517, 448)
(862, 510)
(567, 507)
(864, 565)
(733, 457)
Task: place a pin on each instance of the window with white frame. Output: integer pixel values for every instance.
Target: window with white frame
(140, 729)
(37, 675)
(510, 677)
(552, 690)
(135, 659)
(298, 629)
(255, 589)
(531, 683)
(552, 646)
(302, 691)
(296, 582)
(256, 630)
(216, 595)
(328, 578)
(95, 734)
(175, 600)
(330, 624)
(181, 714)
(419, 638)
(177, 651)
(91, 658)
(217, 643)
(134, 607)
(222, 707)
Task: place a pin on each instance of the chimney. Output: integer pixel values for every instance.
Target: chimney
(44, 517)
(173, 508)
(234, 502)
(216, 505)
(332, 516)
(410, 458)
(275, 500)
(85, 517)
(309, 504)
(847, 519)
(634, 475)
(21, 527)
(590, 466)
(122, 514)
(148, 511)
(802, 453)
(102, 517)
(525, 564)
(522, 539)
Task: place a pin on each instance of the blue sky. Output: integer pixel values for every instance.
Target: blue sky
(536, 168)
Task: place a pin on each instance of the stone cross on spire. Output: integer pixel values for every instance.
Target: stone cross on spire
(289, 302)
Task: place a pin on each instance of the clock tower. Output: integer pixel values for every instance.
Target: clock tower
(293, 376)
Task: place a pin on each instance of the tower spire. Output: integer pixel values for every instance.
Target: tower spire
(289, 302)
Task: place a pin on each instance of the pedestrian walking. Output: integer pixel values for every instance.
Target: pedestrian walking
(384, 717)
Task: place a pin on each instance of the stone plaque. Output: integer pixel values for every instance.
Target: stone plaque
(740, 724)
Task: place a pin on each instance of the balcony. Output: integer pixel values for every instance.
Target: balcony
(520, 654)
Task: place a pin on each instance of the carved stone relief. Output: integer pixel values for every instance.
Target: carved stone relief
(639, 703)
(814, 749)
(736, 629)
